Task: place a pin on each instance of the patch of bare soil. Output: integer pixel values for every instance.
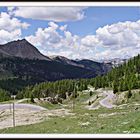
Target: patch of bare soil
(28, 116)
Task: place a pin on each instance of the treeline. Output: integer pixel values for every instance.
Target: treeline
(14, 85)
(122, 78)
(51, 89)
(4, 95)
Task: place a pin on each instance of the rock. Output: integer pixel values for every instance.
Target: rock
(54, 100)
(56, 96)
(58, 99)
(67, 96)
(85, 124)
(48, 99)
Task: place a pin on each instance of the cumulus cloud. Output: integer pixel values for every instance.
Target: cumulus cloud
(120, 39)
(9, 24)
(10, 28)
(46, 37)
(9, 36)
(123, 53)
(50, 42)
(90, 41)
(111, 41)
(57, 14)
(119, 35)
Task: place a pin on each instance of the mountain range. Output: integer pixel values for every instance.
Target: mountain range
(23, 49)
(21, 62)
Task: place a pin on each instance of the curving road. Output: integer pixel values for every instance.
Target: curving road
(109, 97)
(107, 101)
(21, 106)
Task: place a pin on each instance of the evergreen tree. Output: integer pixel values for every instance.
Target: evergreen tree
(32, 98)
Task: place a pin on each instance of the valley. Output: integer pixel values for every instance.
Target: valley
(60, 95)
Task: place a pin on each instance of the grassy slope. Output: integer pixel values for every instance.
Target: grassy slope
(127, 120)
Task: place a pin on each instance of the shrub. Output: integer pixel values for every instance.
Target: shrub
(129, 95)
(91, 93)
(89, 103)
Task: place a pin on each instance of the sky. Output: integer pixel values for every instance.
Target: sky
(96, 33)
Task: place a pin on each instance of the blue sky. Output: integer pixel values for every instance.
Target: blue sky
(82, 30)
(100, 16)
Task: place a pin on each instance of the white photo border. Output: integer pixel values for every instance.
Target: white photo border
(43, 4)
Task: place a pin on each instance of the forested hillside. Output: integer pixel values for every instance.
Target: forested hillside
(122, 78)
(17, 73)
(24, 77)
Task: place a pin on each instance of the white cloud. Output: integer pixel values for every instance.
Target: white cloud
(120, 53)
(121, 39)
(10, 28)
(117, 40)
(46, 37)
(9, 24)
(50, 42)
(90, 41)
(53, 25)
(57, 14)
(9, 36)
(119, 35)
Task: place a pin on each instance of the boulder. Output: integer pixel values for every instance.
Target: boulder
(58, 99)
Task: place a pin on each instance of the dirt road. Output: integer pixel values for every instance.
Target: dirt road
(21, 106)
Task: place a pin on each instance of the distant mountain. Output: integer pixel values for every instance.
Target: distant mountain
(95, 67)
(21, 48)
(115, 62)
(66, 61)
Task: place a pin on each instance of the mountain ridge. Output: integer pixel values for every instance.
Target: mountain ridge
(21, 64)
(22, 48)
(25, 50)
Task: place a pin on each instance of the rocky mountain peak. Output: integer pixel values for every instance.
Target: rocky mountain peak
(23, 49)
